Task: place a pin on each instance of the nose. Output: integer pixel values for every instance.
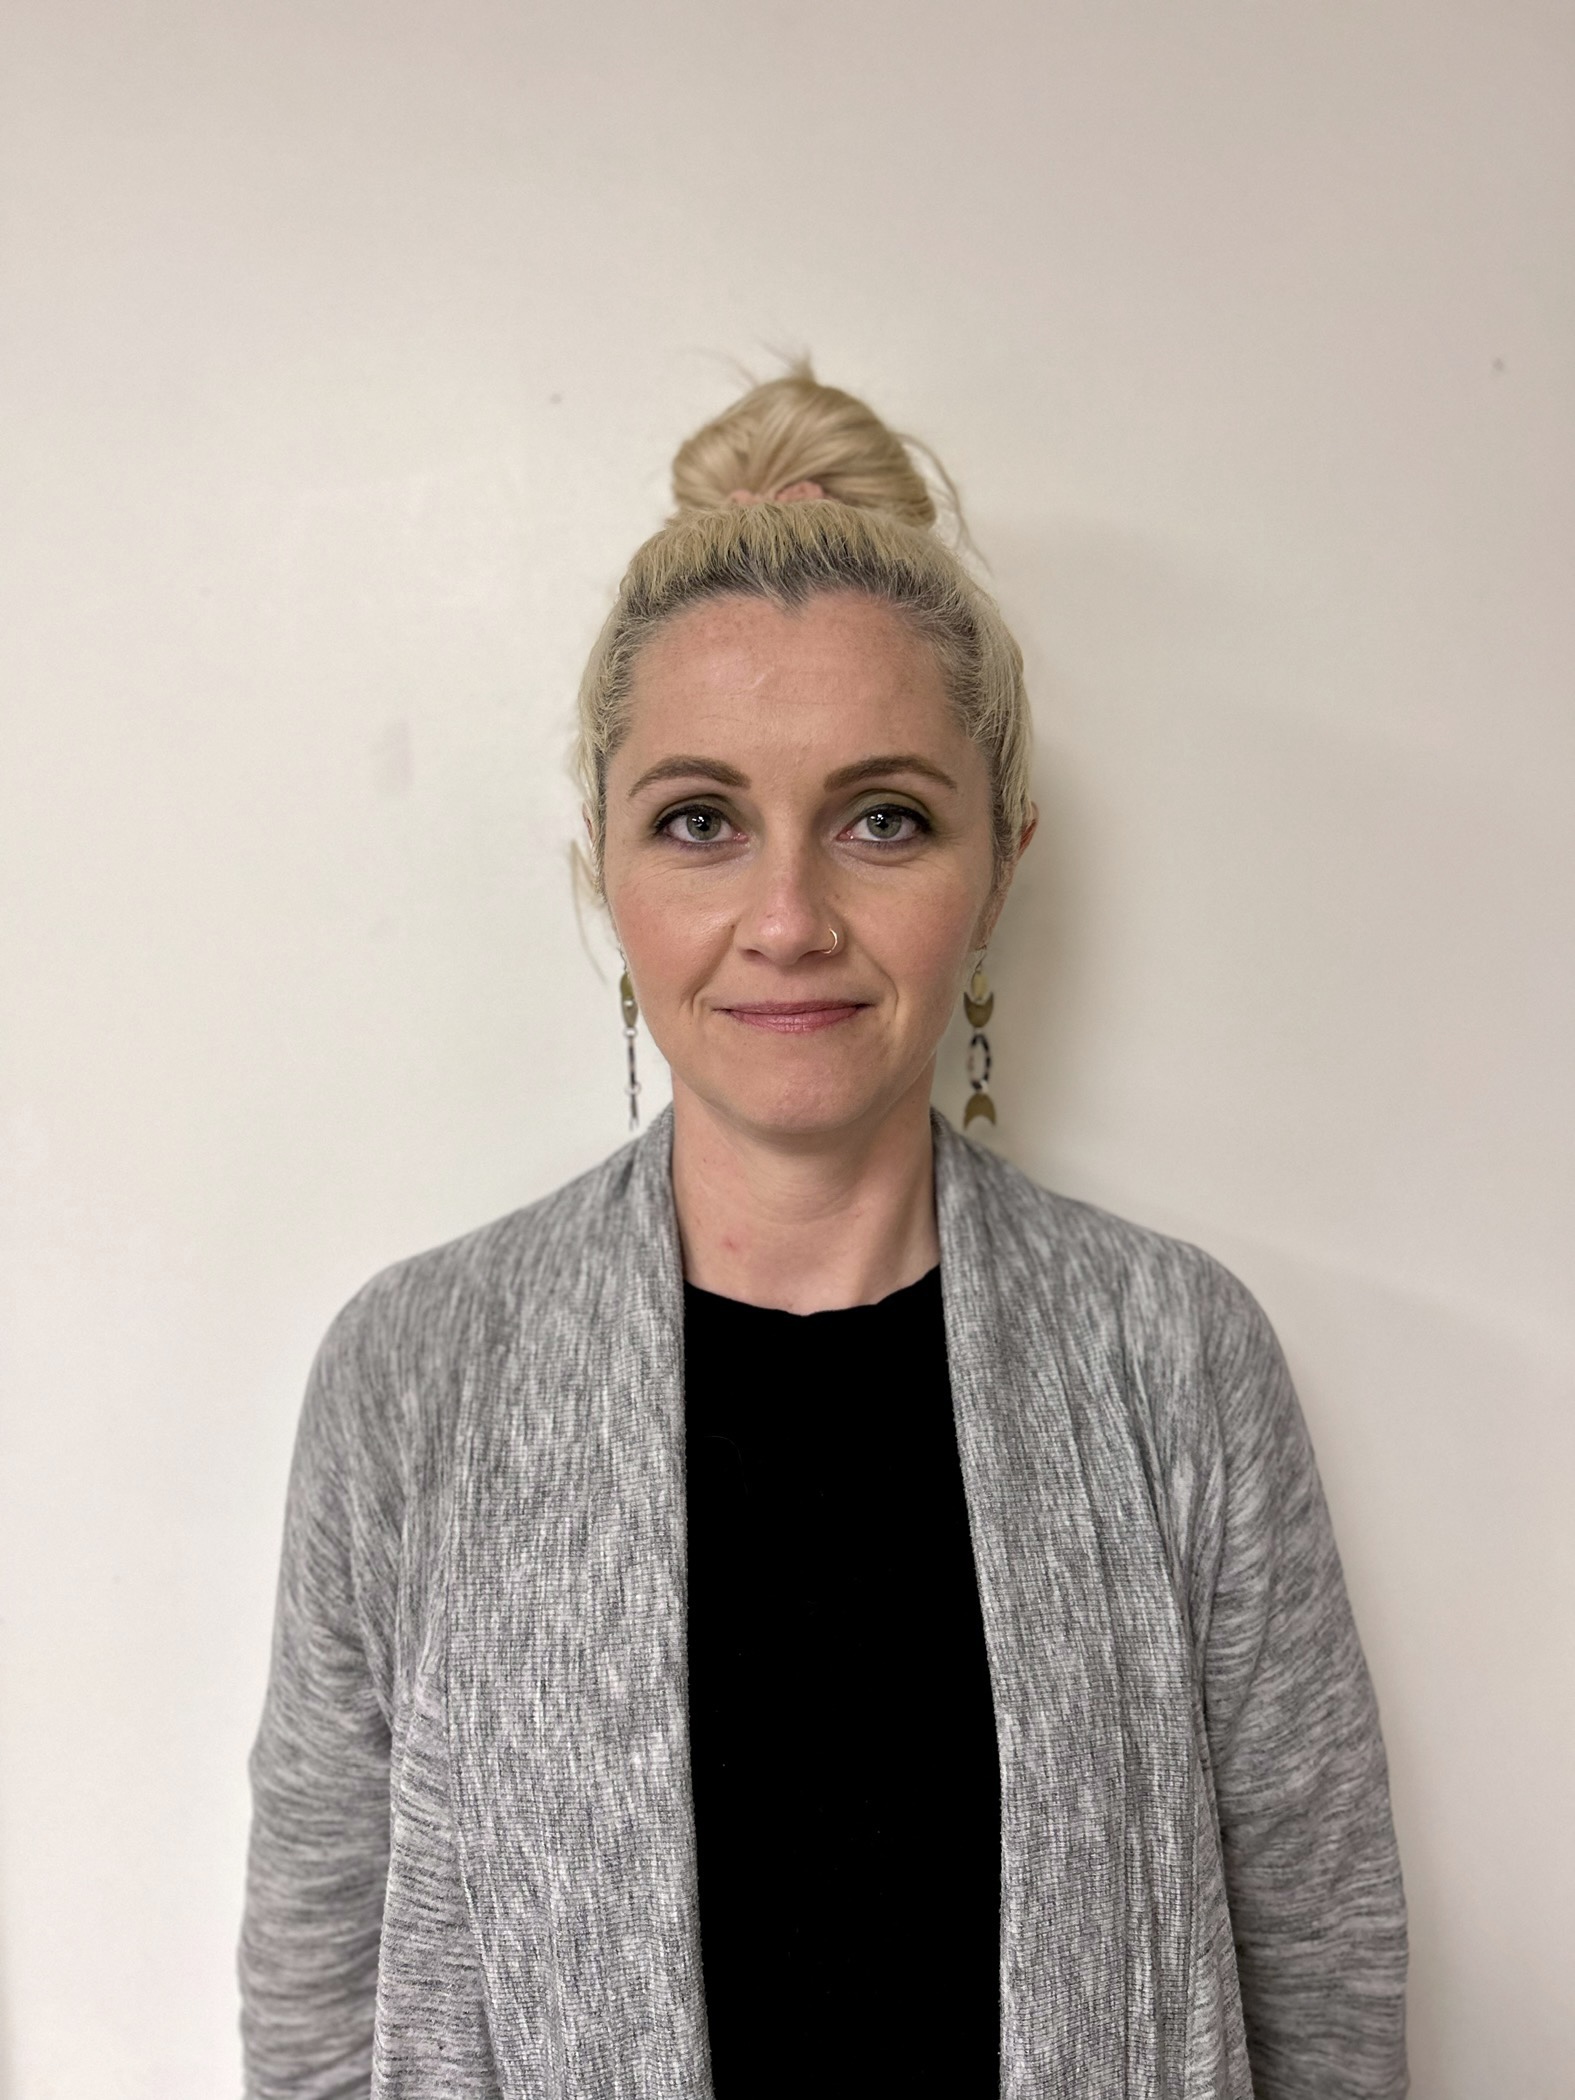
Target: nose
(788, 914)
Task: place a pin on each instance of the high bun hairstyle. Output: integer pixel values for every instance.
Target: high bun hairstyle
(791, 431)
(796, 490)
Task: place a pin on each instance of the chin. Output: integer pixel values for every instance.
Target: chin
(800, 1104)
(802, 1119)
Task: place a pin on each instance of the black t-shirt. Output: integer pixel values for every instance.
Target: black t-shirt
(847, 1793)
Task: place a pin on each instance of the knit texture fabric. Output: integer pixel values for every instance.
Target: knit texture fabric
(472, 1870)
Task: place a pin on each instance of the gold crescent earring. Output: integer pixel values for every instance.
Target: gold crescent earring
(978, 1005)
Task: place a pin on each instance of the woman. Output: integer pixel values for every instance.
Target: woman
(801, 1608)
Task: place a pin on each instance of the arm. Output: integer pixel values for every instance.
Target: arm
(319, 1771)
(1311, 1870)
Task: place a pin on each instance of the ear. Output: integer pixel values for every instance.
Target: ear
(997, 901)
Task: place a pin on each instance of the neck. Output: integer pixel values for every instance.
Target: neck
(805, 1225)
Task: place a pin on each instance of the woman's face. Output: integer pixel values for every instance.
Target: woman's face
(785, 775)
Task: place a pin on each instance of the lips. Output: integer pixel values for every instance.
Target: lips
(794, 1016)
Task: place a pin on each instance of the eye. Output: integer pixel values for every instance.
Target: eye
(887, 824)
(695, 825)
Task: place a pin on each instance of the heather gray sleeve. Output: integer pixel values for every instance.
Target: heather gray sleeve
(319, 1771)
(1311, 1870)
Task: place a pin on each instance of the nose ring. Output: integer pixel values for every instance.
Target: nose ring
(836, 943)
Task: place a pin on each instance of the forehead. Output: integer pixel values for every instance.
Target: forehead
(833, 679)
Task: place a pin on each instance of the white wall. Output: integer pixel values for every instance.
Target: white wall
(345, 346)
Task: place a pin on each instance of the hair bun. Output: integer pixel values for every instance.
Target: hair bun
(792, 431)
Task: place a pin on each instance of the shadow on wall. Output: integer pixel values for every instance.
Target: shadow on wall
(1034, 968)
(1451, 1523)
(1281, 937)
(1037, 962)
(1108, 626)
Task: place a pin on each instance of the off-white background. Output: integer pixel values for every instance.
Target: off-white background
(344, 348)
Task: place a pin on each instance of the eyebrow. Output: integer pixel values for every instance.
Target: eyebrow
(888, 763)
(883, 766)
(691, 769)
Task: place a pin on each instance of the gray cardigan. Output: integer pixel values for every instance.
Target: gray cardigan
(472, 1870)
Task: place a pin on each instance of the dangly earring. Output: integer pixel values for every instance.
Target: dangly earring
(978, 1005)
(631, 1016)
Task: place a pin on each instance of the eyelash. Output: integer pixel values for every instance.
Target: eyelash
(665, 822)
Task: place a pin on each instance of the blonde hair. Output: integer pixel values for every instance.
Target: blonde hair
(869, 530)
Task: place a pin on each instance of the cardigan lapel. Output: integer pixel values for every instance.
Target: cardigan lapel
(566, 1689)
(1093, 1709)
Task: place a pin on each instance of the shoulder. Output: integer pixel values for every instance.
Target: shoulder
(1149, 1331)
(1102, 1269)
(496, 1266)
(398, 1353)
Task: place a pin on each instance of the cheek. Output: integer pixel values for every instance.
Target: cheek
(927, 940)
(668, 944)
